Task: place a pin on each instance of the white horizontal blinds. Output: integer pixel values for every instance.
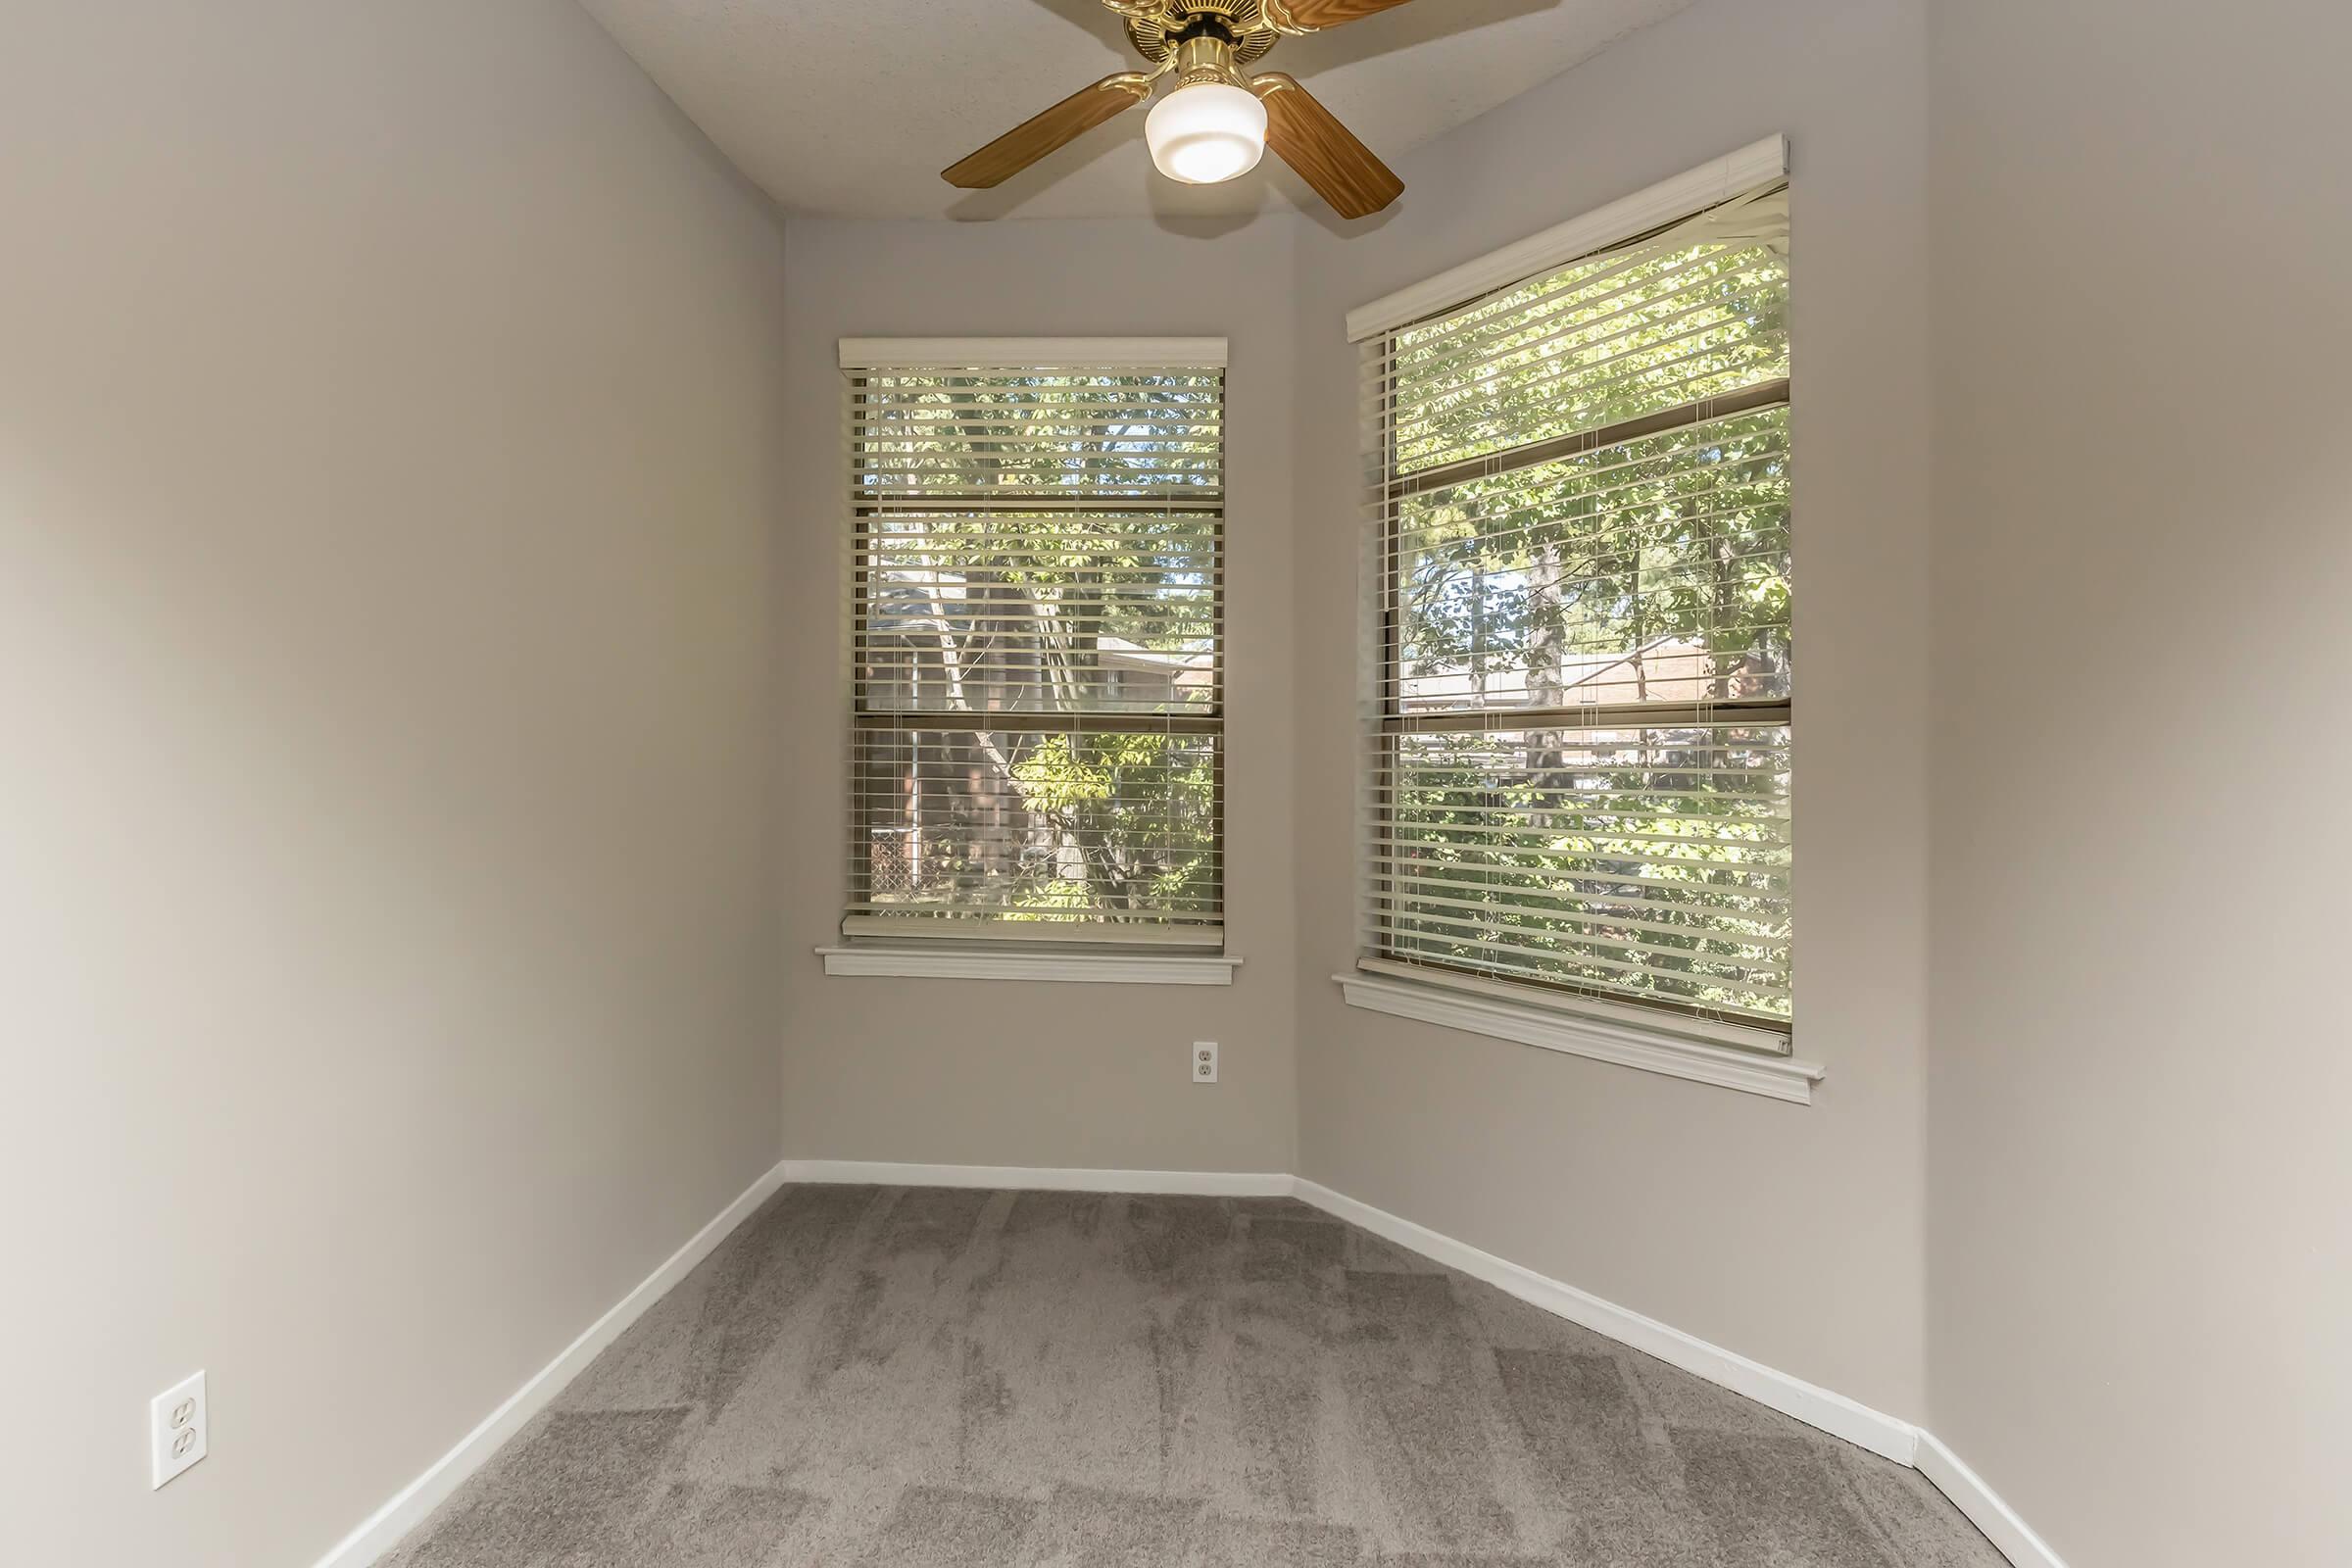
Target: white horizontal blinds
(1578, 768)
(1699, 312)
(1038, 582)
(1649, 861)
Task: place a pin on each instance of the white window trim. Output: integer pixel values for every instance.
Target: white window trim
(1648, 1047)
(971, 955)
(943, 962)
(1725, 1055)
(1757, 164)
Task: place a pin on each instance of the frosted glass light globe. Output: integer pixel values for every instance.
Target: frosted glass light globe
(1206, 132)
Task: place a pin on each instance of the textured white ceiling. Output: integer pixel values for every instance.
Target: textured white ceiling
(852, 107)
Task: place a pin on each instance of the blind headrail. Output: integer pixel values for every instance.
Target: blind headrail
(1039, 354)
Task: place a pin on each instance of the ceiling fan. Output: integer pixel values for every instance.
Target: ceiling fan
(1215, 123)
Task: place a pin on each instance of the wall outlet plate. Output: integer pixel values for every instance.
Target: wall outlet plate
(179, 1428)
(1204, 1061)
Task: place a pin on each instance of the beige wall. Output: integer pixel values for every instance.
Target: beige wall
(400, 893)
(1789, 1234)
(386, 932)
(2104, 1269)
(1010, 1073)
(2140, 1271)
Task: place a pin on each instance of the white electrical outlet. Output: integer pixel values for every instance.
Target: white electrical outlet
(1204, 1061)
(178, 1423)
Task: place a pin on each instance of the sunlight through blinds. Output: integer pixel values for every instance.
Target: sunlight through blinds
(1036, 623)
(1578, 725)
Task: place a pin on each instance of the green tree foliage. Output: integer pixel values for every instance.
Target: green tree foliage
(1138, 811)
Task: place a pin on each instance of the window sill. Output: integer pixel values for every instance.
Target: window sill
(1555, 1029)
(1096, 969)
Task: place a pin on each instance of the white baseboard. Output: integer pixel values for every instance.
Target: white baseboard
(408, 1509)
(1025, 1178)
(2011, 1536)
(1833, 1414)
(1816, 1406)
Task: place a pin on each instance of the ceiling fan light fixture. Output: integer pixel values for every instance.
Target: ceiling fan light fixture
(1206, 132)
(1218, 120)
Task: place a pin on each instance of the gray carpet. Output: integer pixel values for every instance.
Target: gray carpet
(872, 1377)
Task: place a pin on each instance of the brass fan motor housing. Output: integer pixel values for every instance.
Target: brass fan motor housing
(1159, 28)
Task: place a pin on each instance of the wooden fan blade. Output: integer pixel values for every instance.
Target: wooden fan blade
(1050, 131)
(1326, 154)
(1313, 15)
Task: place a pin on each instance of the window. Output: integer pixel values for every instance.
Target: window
(1036, 606)
(1581, 678)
